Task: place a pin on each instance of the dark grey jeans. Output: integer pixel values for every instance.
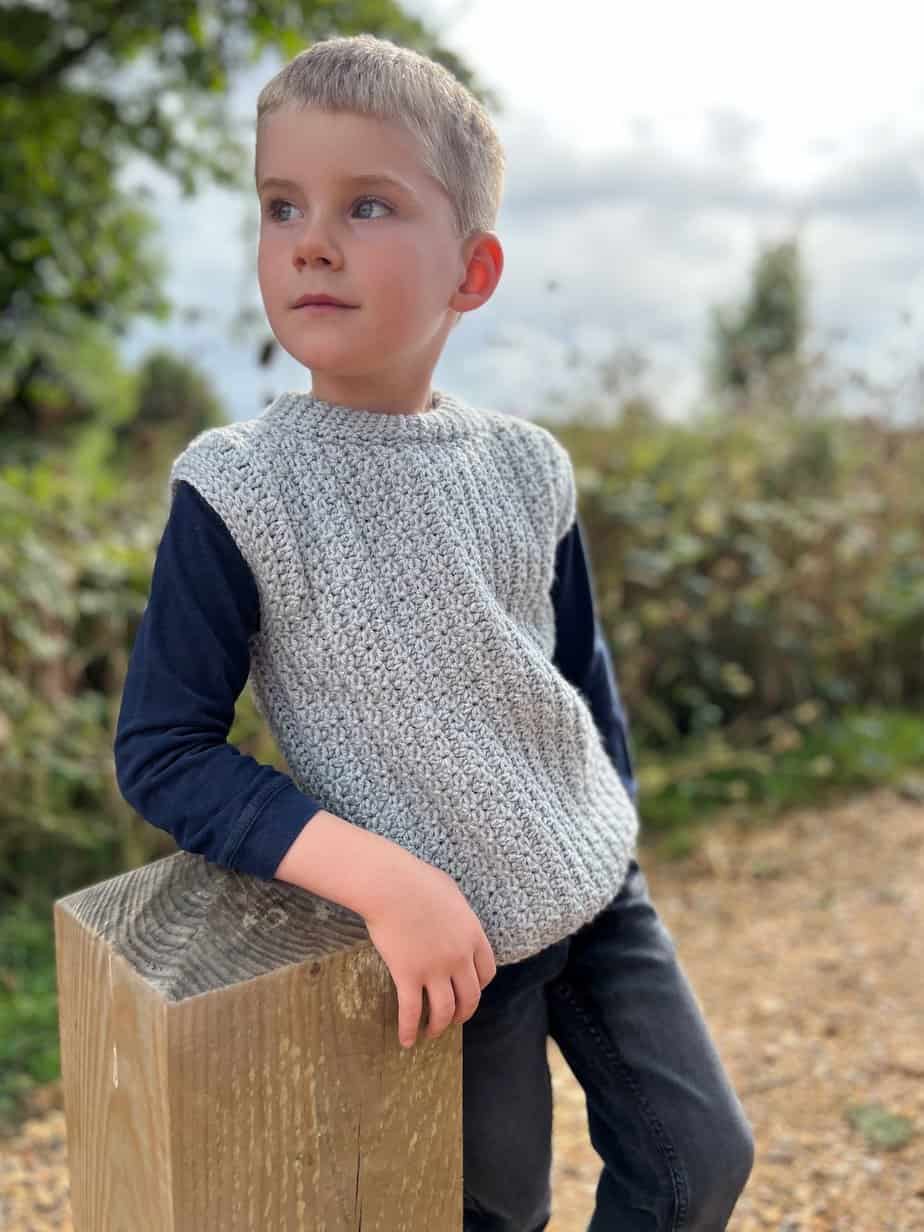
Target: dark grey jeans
(676, 1146)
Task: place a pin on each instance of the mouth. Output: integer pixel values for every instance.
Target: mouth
(316, 303)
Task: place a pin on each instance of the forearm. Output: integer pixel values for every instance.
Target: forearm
(341, 861)
(214, 800)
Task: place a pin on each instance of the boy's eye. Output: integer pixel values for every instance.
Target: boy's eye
(274, 207)
(277, 204)
(372, 201)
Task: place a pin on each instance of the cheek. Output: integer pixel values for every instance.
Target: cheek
(263, 260)
(407, 274)
(403, 301)
(271, 245)
(269, 270)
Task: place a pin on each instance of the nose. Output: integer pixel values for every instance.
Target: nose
(316, 244)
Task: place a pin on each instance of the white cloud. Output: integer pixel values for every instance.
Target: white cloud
(647, 162)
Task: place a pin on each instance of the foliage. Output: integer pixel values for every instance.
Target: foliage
(84, 86)
(803, 759)
(174, 403)
(759, 345)
(76, 553)
(760, 582)
(883, 1130)
(81, 389)
(73, 560)
(755, 578)
(28, 1006)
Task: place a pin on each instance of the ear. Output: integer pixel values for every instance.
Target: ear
(484, 265)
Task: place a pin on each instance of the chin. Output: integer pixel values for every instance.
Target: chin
(319, 356)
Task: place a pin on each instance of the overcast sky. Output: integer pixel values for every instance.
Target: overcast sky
(650, 153)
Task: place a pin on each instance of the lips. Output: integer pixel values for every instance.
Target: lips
(320, 301)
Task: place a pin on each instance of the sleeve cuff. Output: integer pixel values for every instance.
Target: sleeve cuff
(271, 831)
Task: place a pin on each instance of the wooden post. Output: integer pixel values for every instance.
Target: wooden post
(230, 1062)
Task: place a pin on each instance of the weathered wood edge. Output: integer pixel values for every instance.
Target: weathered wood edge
(188, 926)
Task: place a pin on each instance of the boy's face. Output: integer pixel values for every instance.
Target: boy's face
(390, 250)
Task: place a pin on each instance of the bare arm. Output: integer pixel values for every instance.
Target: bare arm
(345, 863)
(417, 917)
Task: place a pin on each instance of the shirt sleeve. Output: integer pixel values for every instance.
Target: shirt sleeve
(581, 651)
(188, 666)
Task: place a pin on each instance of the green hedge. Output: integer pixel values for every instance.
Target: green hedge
(757, 580)
(748, 570)
(76, 554)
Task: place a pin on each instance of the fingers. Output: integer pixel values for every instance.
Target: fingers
(410, 999)
(442, 1001)
(468, 994)
(452, 1000)
(442, 1006)
(484, 963)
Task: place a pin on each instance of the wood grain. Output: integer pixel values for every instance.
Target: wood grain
(230, 1062)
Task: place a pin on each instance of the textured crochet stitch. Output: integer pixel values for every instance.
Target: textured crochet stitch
(404, 658)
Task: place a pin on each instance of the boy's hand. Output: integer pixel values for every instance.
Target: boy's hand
(430, 938)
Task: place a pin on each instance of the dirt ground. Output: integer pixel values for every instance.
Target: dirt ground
(803, 941)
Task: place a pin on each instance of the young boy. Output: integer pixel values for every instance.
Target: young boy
(406, 579)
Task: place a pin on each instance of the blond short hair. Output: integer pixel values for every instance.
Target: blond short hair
(376, 77)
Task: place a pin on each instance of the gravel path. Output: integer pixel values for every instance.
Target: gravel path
(803, 940)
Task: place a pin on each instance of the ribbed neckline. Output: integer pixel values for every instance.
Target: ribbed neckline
(303, 412)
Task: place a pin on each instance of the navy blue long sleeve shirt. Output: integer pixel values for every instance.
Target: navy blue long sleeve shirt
(190, 662)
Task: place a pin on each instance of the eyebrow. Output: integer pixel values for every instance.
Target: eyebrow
(366, 177)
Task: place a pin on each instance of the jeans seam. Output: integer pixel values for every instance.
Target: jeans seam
(472, 1202)
(675, 1166)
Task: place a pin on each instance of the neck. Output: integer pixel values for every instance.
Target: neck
(413, 399)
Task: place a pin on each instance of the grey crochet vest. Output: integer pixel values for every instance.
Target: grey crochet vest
(404, 659)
